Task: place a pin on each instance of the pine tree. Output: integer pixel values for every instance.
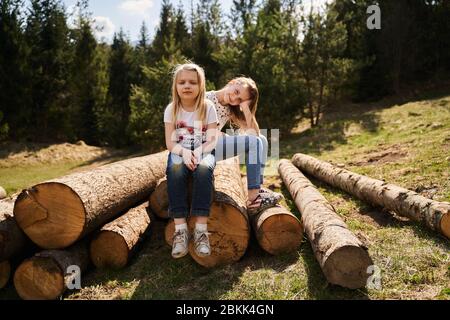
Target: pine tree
(88, 86)
(120, 80)
(15, 99)
(182, 36)
(49, 59)
(165, 32)
(242, 15)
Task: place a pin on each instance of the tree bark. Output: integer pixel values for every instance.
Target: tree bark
(5, 273)
(341, 255)
(434, 214)
(117, 241)
(57, 213)
(159, 199)
(47, 275)
(228, 223)
(12, 240)
(277, 230)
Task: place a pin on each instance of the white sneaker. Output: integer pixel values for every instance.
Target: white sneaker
(180, 244)
(201, 244)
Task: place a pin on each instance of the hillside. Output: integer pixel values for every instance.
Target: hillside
(407, 144)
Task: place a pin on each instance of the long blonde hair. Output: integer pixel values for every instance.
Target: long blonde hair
(236, 114)
(200, 104)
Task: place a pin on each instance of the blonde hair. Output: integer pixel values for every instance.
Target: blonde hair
(249, 84)
(200, 104)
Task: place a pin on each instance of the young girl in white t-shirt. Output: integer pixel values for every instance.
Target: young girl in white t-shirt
(191, 136)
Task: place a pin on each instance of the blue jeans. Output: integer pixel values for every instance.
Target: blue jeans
(253, 148)
(202, 186)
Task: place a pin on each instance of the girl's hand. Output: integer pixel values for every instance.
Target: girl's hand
(245, 105)
(189, 159)
(197, 156)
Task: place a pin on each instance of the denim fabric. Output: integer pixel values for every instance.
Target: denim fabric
(253, 148)
(202, 186)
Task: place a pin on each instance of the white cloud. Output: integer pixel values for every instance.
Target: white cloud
(104, 28)
(136, 7)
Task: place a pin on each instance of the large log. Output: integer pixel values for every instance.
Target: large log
(12, 240)
(59, 212)
(228, 223)
(5, 273)
(341, 255)
(117, 241)
(434, 214)
(159, 199)
(47, 275)
(277, 230)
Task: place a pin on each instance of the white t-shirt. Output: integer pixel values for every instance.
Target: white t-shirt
(223, 112)
(186, 121)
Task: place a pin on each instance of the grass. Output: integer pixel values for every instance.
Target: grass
(406, 144)
(17, 178)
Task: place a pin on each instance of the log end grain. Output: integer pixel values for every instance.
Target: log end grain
(278, 233)
(445, 224)
(39, 278)
(348, 267)
(229, 236)
(5, 273)
(109, 250)
(159, 200)
(52, 215)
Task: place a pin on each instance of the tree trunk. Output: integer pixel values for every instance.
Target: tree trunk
(228, 223)
(277, 230)
(343, 258)
(117, 241)
(47, 275)
(12, 240)
(59, 212)
(407, 203)
(5, 273)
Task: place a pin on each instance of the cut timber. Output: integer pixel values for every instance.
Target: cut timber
(5, 272)
(343, 258)
(228, 223)
(117, 241)
(47, 275)
(407, 203)
(159, 199)
(277, 230)
(12, 240)
(57, 213)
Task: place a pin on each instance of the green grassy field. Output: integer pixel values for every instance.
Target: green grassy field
(406, 144)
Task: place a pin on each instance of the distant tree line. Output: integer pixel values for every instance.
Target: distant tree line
(58, 83)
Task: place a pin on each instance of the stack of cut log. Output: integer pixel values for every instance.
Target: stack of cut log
(276, 229)
(101, 215)
(106, 205)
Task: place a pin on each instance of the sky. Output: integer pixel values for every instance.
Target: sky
(112, 15)
(129, 15)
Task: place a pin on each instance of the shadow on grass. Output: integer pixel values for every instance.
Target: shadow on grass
(337, 120)
(318, 286)
(330, 133)
(161, 277)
